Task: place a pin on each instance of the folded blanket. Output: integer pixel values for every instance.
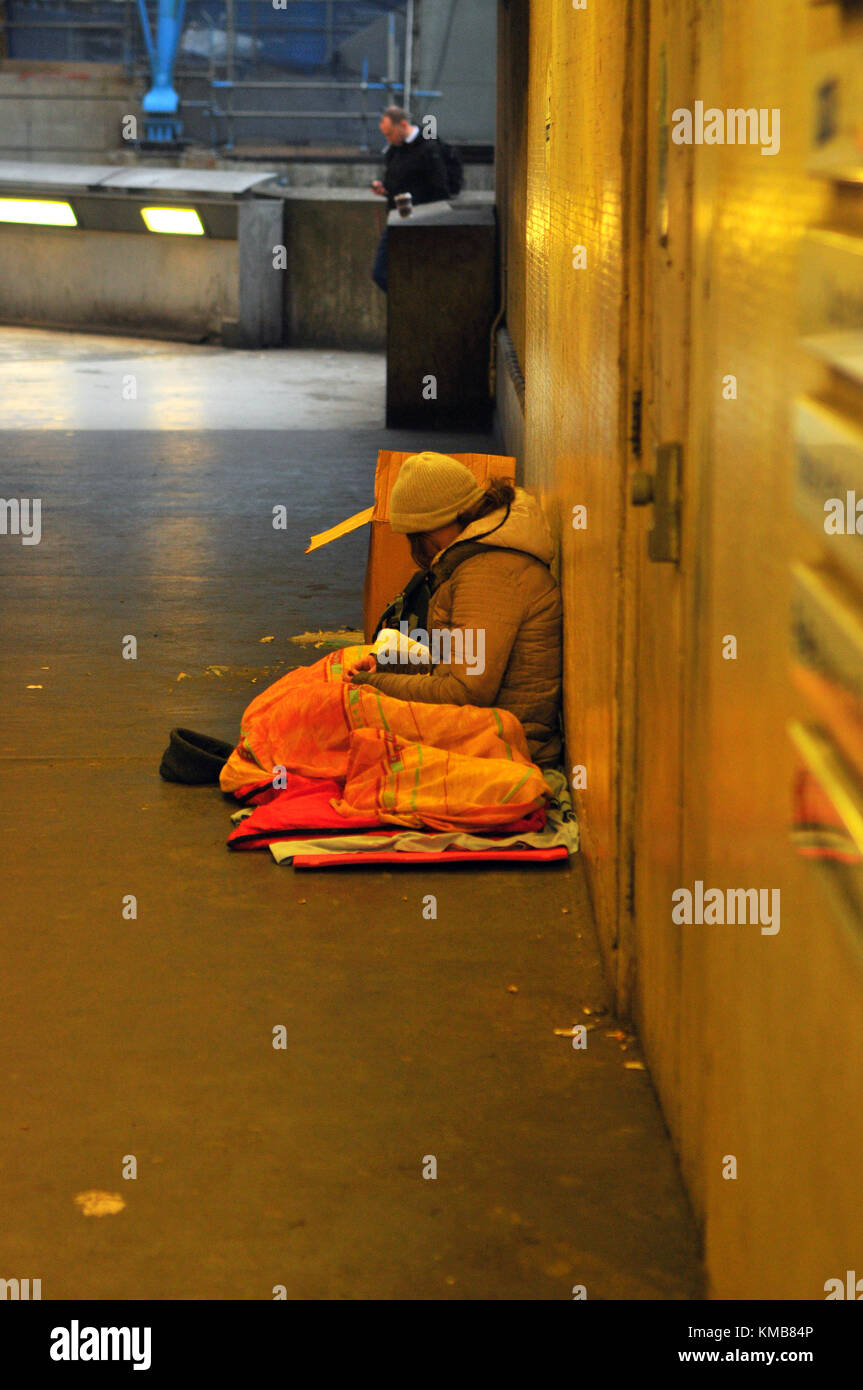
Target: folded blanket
(555, 838)
(399, 762)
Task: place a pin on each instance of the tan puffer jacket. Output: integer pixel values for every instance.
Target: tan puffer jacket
(511, 596)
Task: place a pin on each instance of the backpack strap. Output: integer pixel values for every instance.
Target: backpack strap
(455, 556)
(410, 606)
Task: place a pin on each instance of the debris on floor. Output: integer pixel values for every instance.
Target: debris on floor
(252, 674)
(344, 637)
(96, 1203)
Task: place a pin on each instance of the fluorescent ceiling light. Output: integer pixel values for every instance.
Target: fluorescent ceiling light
(41, 212)
(178, 221)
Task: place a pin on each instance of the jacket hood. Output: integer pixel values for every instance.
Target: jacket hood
(524, 529)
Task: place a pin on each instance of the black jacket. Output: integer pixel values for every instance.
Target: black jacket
(416, 168)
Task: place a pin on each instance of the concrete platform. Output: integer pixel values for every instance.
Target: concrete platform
(153, 1037)
(57, 380)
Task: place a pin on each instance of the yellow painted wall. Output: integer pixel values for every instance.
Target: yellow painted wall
(776, 1022)
(763, 1059)
(573, 398)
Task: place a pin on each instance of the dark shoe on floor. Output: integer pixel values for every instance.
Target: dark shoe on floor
(194, 758)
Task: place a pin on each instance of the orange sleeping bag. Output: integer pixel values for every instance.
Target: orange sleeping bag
(445, 767)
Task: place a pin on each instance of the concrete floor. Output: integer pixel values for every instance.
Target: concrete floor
(153, 1037)
(90, 382)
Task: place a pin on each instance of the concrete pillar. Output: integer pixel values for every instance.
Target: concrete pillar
(260, 229)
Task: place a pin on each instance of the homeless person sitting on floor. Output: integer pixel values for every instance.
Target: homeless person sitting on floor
(484, 604)
(464, 741)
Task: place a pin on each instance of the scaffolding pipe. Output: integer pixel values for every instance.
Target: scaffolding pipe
(391, 52)
(60, 24)
(409, 53)
(292, 115)
(319, 86)
(291, 86)
(230, 40)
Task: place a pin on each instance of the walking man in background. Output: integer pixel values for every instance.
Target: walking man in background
(412, 165)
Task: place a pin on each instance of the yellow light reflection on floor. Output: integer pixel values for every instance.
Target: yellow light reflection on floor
(41, 212)
(177, 221)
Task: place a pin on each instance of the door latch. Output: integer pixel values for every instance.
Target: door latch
(662, 490)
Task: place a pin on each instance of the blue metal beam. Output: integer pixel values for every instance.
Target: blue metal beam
(162, 124)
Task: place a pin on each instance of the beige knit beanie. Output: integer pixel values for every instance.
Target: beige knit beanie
(431, 491)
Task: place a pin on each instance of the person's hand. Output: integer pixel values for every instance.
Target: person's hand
(377, 187)
(363, 663)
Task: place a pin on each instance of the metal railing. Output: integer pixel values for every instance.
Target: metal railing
(231, 113)
(225, 75)
(126, 26)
